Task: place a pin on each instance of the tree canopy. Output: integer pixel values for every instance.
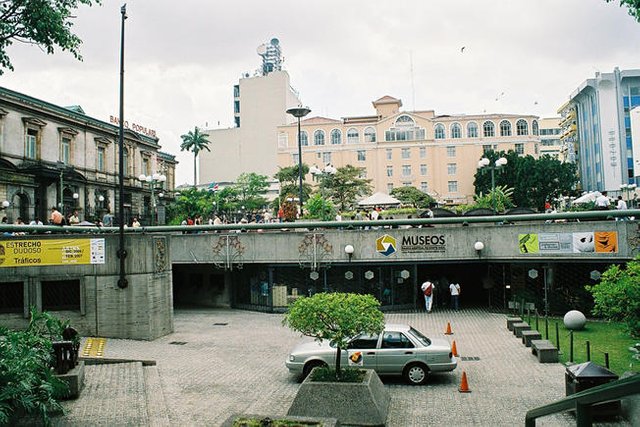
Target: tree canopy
(533, 180)
(335, 317)
(412, 196)
(46, 24)
(251, 189)
(632, 5)
(346, 186)
(194, 141)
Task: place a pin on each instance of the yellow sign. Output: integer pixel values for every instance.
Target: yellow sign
(31, 253)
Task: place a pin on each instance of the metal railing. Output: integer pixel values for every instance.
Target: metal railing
(581, 402)
(497, 220)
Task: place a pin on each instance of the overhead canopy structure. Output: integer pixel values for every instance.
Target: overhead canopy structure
(586, 198)
(379, 199)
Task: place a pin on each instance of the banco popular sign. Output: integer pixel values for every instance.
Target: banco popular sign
(412, 243)
(30, 253)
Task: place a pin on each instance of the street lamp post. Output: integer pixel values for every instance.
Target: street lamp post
(627, 189)
(122, 252)
(152, 180)
(485, 164)
(320, 174)
(298, 113)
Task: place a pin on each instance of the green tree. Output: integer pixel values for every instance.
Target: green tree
(346, 186)
(46, 24)
(412, 196)
(534, 181)
(190, 202)
(289, 182)
(501, 196)
(321, 208)
(632, 5)
(335, 317)
(194, 141)
(617, 295)
(251, 189)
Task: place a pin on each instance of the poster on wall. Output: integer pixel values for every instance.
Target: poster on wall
(564, 243)
(32, 252)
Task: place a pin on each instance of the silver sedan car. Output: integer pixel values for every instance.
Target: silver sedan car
(399, 350)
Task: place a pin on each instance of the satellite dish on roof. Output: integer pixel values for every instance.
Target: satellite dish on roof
(275, 42)
(262, 49)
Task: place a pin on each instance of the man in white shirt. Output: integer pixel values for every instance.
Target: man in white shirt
(454, 289)
(602, 201)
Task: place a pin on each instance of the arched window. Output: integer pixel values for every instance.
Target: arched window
(522, 128)
(405, 121)
(336, 137)
(353, 136)
(472, 130)
(318, 137)
(369, 134)
(534, 127)
(439, 131)
(304, 138)
(505, 128)
(456, 131)
(488, 129)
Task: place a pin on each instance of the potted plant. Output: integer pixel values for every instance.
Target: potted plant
(338, 317)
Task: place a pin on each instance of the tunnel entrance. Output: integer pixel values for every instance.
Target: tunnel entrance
(199, 285)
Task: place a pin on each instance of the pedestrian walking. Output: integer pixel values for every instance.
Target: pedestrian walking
(427, 291)
(454, 289)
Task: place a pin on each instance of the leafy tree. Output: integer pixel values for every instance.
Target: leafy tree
(192, 201)
(250, 189)
(412, 196)
(335, 317)
(533, 181)
(194, 141)
(501, 196)
(319, 207)
(289, 181)
(46, 24)
(632, 5)
(346, 186)
(617, 295)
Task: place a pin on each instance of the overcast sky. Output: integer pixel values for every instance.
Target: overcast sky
(182, 58)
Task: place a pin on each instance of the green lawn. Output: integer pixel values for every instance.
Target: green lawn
(604, 337)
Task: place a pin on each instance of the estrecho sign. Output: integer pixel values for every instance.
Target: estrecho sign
(30, 253)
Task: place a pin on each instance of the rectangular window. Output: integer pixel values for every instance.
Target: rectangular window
(65, 151)
(407, 183)
(423, 169)
(389, 187)
(145, 166)
(406, 153)
(101, 153)
(12, 297)
(389, 154)
(60, 295)
(519, 148)
(326, 158)
(452, 186)
(452, 168)
(362, 155)
(236, 91)
(406, 170)
(236, 107)
(486, 148)
(424, 186)
(451, 151)
(389, 170)
(30, 144)
(283, 140)
(423, 152)
(294, 158)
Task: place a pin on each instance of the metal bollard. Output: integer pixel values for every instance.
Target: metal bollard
(557, 337)
(588, 351)
(606, 360)
(570, 346)
(546, 328)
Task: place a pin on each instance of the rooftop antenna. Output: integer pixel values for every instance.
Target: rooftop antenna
(271, 54)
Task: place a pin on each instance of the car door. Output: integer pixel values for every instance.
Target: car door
(396, 349)
(361, 351)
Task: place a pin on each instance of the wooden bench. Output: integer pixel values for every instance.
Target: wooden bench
(527, 336)
(519, 327)
(511, 321)
(544, 351)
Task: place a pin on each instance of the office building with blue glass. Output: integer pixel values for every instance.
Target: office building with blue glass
(599, 122)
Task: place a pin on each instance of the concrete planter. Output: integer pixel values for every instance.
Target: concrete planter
(358, 404)
(75, 380)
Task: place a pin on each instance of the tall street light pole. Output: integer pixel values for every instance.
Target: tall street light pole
(299, 112)
(485, 164)
(122, 253)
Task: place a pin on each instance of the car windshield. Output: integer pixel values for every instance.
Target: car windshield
(418, 335)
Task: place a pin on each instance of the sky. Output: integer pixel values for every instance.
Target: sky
(182, 58)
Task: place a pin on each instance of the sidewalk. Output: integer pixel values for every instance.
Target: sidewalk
(222, 362)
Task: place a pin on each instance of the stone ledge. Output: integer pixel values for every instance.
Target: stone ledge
(322, 421)
(75, 380)
(359, 404)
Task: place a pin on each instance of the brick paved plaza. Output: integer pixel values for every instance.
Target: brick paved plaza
(222, 362)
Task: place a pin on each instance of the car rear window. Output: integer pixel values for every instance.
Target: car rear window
(364, 341)
(418, 335)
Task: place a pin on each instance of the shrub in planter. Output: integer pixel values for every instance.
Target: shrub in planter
(28, 385)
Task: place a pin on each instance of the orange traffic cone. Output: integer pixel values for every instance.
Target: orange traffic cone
(454, 350)
(464, 385)
(448, 331)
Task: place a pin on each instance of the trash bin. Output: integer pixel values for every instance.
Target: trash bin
(588, 375)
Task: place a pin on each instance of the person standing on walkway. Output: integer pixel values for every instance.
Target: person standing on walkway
(56, 217)
(602, 201)
(454, 289)
(427, 291)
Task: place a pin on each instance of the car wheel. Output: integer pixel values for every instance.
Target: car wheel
(309, 366)
(416, 374)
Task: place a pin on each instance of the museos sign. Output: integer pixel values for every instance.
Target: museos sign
(412, 243)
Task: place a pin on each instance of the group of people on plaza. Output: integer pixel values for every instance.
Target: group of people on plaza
(428, 289)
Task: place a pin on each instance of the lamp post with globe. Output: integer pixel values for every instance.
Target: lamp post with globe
(299, 112)
(152, 180)
(485, 164)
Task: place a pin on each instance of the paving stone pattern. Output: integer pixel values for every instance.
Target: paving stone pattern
(222, 370)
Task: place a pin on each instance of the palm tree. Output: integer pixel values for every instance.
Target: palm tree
(194, 141)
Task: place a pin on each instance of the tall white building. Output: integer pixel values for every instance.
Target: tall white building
(260, 105)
